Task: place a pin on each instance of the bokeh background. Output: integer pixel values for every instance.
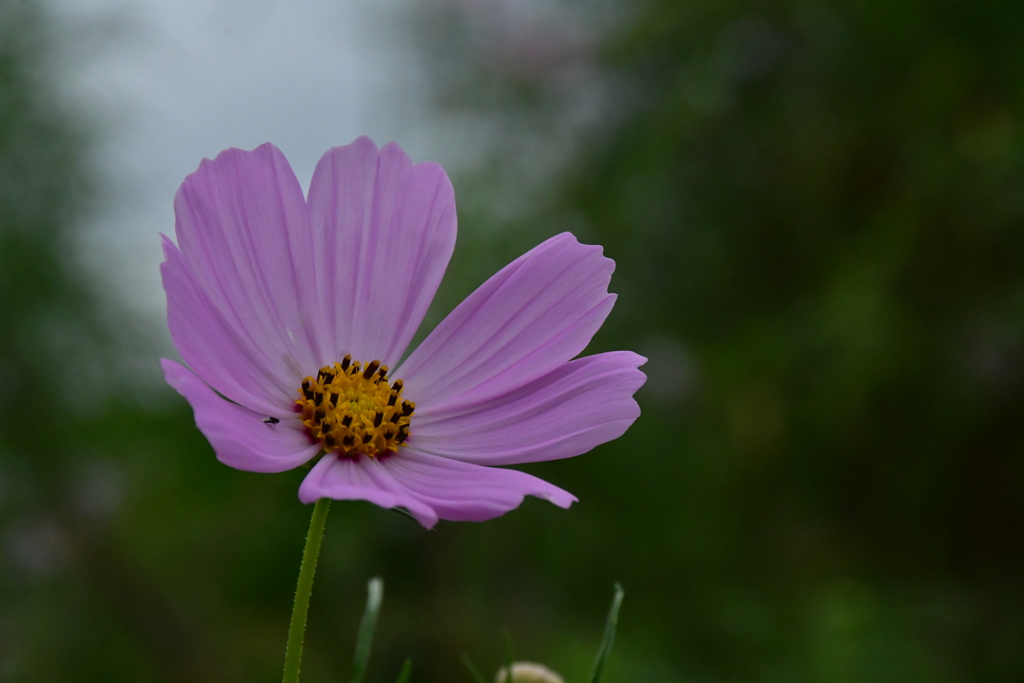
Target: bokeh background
(817, 212)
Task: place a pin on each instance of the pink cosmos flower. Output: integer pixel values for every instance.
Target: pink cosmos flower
(291, 312)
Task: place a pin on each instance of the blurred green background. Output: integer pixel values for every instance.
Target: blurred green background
(817, 212)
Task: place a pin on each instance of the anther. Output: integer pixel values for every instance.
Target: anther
(353, 409)
(371, 369)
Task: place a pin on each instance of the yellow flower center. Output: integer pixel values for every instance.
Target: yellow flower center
(355, 410)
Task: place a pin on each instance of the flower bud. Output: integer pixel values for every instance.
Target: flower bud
(528, 672)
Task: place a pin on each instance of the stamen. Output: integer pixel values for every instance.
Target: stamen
(355, 411)
(370, 369)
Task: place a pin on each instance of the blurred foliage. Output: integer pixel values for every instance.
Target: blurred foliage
(817, 210)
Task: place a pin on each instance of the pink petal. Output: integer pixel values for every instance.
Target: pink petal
(384, 231)
(215, 351)
(428, 486)
(460, 491)
(536, 313)
(243, 231)
(341, 478)
(579, 405)
(238, 435)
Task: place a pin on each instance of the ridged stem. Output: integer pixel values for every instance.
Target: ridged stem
(297, 628)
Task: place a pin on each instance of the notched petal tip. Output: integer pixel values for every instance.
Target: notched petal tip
(384, 231)
(230, 161)
(167, 243)
(363, 142)
(591, 250)
(560, 497)
(267, 151)
(394, 154)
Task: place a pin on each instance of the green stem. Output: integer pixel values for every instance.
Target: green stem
(297, 629)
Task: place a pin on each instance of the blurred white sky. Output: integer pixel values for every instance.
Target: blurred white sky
(172, 82)
(167, 83)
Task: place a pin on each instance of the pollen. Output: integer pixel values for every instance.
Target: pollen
(354, 409)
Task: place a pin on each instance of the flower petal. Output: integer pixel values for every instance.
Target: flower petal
(461, 491)
(536, 313)
(579, 405)
(428, 486)
(221, 356)
(384, 231)
(243, 231)
(238, 435)
(341, 478)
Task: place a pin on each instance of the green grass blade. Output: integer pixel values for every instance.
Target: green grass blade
(473, 671)
(374, 595)
(510, 656)
(609, 636)
(406, 673)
